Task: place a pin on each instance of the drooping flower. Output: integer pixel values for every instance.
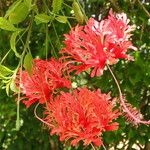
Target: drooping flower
(82, 115)
(46, 77)
(98, 43)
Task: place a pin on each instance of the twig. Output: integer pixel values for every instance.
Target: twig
(104, 147)
(144, 8)
(35, 113)
(93, 147)
(123, 103)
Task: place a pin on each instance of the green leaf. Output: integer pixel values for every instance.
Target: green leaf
(6, 25)
(35, 9)
(57, 4)
(12, 7)
(13, 86)
(4, 77)
(42, 18)
(78, 13)
(61, 19)
(7, 88)
(28, 3)
(13, 42)
(28, 63)
(19, 14)
(4, 70)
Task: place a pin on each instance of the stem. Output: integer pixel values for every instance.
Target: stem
(29, 33)
(67, 20)
(67, 5)
(5, 56)
(52, 47)
(93, 147)
(26, 46)
(104, 147)
(56, 34)
(46, 41)
(50, 23)
(10, 49)
(35, 113)
(137, 120)
(144, 8)
(18, 101)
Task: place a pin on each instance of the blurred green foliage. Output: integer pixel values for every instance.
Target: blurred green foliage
(41, 26)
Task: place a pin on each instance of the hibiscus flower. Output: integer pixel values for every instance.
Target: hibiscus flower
(47, 76)
(98, 43)
(82, 115)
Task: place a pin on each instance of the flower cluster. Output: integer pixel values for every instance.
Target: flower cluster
(99, 43)
(47, 76)
(81, 114)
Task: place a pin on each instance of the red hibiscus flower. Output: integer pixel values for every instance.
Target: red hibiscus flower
(47, 76)
(98, 43)
(82, 115)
